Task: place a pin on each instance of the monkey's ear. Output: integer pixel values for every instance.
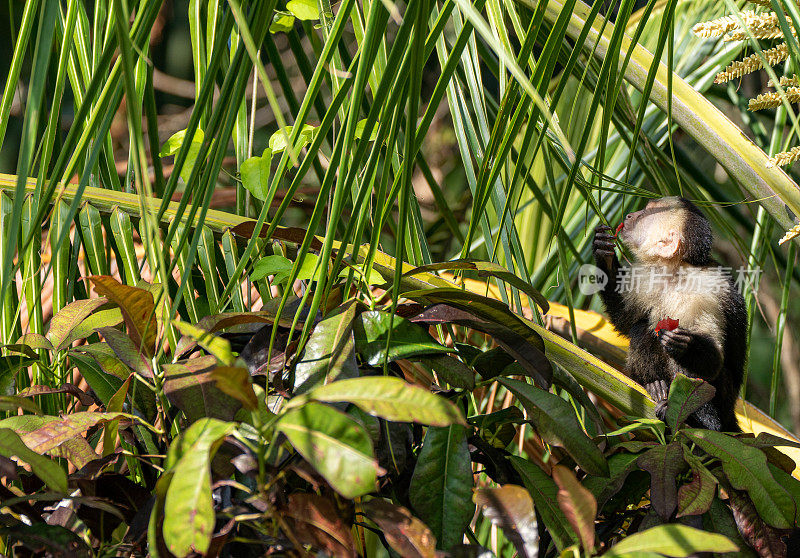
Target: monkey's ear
(669, 244)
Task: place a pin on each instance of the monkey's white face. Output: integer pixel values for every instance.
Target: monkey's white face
(654, 234)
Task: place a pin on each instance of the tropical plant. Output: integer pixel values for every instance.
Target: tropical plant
(253, 348)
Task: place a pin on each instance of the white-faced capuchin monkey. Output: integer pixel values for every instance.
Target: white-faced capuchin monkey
(679, 307)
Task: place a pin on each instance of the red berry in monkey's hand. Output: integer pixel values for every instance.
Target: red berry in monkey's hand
(667, 323)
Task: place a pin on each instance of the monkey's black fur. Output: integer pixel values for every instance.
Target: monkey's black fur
(654, 360)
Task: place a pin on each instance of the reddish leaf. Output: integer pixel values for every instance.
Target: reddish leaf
(510, 507)
(190, 386)
(138, 310)
(619, 227)
(663, 463)
(70, 317)
(686, 395)
(406, 534)
(236, 382)
(126, 350)
(316, 521)
(695, 497)
(578, 505)
(70, 389)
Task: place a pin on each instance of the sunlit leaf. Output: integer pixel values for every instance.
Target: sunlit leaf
(138, 310)
(371, 330)
(281, 23)
(330, 352)
(335, 445)
(303, 9)
(173, 144)
(188, 508)
(671, 540)
(391, 399)
(255, 173)
(69, 317)
(217, 346)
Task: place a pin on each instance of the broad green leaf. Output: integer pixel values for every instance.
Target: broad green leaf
(371, 329)
(578, 505)
(746, 469)
(555, 420)
(9, 366)
(671, 540)
(335, 445)
(281, 23)
(304, 9)
(371, 278)
(188, 509)
(217, 346)
(686, 395)
(138, 310)
(69, 317)
(255, 173)
(544, 492)
(372, 137)
(441, 485)
(104, 385)
(173, 144)
(110, 317)
(277, 142)
(330, 353)
(510, 507)
(391, 399)
(275, 265)
(11, 445)
(451, 370)
(664, 463)
(126, 351)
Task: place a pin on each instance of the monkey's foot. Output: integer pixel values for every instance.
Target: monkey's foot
(659, 392)
(675, 342)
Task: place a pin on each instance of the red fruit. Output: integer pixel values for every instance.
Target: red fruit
(667, 323)
(619, 228)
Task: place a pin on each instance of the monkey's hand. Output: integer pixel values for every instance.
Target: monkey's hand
(675, 342)
(659, 392)
(603, 246)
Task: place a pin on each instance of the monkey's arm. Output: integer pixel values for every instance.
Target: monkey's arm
(696, 352)
(606, 259)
